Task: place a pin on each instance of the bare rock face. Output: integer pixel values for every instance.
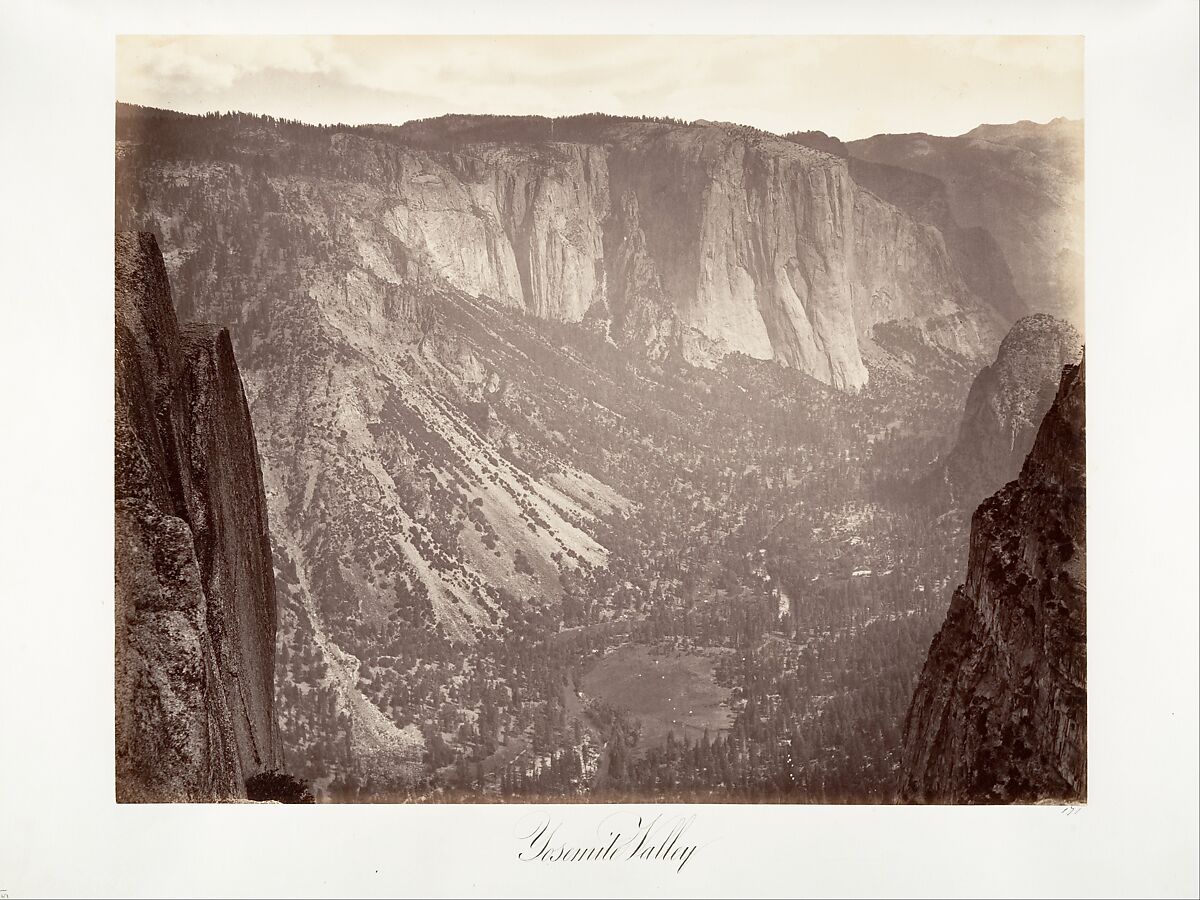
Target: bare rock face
(764, 247)
(195, 594)
(706, 240)
(1007, 402)
(1000, 711)
(1023, 183)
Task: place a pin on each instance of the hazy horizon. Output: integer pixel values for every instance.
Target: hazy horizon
(848, 87)
(578, 114)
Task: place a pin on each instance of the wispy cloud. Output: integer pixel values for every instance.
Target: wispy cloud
(852, 86)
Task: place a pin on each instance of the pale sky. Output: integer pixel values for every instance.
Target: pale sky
(851, 87)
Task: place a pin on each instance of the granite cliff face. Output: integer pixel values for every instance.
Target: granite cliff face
(1007, 402)
(700, 239)
(976, 254)
(1000, 711)
(195, 596)
(760, 246)
(1023, 183)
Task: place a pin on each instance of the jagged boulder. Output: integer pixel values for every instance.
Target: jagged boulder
(1006, 405)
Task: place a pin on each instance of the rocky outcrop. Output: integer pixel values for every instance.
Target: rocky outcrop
(1000, 711)
(1021, 182)
(195, 594)
(1006, 404)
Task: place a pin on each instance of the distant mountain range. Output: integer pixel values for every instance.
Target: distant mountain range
(695, 239)
(1023, 183)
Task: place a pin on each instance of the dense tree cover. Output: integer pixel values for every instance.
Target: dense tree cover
(237, 136)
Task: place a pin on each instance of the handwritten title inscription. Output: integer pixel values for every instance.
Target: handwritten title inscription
(619, 837)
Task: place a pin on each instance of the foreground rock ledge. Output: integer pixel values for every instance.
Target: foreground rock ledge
(195, 594)
(1000, 711)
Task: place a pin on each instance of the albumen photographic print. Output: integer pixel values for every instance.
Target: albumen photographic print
(632, 450)
(492, 456)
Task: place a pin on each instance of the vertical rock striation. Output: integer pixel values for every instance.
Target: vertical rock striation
(1000, 711)
(195, 594)
(705, 239)
(761, 246)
